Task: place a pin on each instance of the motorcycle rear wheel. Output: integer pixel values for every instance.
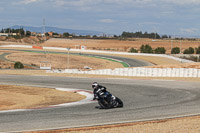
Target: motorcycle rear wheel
(104, 104)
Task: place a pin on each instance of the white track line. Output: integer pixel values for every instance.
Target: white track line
(88, 99)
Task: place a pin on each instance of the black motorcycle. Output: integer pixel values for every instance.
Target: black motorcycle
(106, 100)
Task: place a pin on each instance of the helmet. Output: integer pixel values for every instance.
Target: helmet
(95, 85)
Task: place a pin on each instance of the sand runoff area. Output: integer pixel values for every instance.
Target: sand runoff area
(25, 97)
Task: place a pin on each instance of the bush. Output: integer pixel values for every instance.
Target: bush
(193, 58)
(175, 50)
(146, 49)
(160, 50)
(133, 50)
(198, 50)
(190, 50)
(18, 65)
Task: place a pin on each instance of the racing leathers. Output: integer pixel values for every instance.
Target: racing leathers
(101, 90)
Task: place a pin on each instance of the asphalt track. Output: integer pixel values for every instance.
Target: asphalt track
(143, 100)
(129, 61)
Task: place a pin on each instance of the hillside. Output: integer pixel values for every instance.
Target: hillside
(25, 40)
(57, 30)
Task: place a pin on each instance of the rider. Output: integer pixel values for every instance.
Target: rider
(100, 90)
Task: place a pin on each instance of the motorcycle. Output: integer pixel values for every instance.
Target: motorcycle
(106, 100)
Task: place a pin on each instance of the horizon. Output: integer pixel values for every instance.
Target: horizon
(175, 18)
(22, 26)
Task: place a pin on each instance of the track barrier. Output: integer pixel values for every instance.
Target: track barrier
(37, 47)
(137, 72)
(100, 51)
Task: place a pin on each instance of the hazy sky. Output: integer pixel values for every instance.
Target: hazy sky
(170, 17)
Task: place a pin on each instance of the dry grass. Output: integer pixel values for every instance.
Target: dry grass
(184, 65)
(117, 45)
(24, 97)
(78, 62)
(177, 125)
(59, 61)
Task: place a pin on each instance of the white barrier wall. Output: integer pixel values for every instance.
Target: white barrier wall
(16, 46)
(138, 72)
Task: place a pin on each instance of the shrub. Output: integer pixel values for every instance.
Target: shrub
(133, 50)
(18, 65)
(160, 50)
(175, 50)
(190, 50)
(198, 50)
(193, 58)
(146, 49)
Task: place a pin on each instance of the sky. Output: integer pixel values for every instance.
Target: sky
(169, 17)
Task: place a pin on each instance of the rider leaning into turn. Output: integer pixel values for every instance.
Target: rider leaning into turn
(100, 90)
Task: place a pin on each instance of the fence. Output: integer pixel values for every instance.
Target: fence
(138, 71)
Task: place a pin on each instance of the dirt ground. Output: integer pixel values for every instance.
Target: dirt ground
(115, 45)
(176, 125)
(118, 45)
(25, 97)
(61, 61)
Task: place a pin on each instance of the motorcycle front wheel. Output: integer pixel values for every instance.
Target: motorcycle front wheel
(120, 103)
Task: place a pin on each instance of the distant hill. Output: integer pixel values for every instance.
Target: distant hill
(57, 30)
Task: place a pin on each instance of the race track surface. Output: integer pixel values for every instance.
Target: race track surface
(129, 61)
(143, 100)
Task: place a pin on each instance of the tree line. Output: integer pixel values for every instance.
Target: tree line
(124, 35)
(19, 31)
(139, 34)
(161, 50)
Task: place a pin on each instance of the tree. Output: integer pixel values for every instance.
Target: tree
(46, 34)
(146, 49)
(115, 36)
(140, 34)
(66, 34)
(198, 50)
(160, 50)
(164, 36)
(8, 30)
(21, 31)
(133, 50)
(28, 33)
(190, 50)
(175, 50)
(95, 36)
(55, 33)
(18, 65)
